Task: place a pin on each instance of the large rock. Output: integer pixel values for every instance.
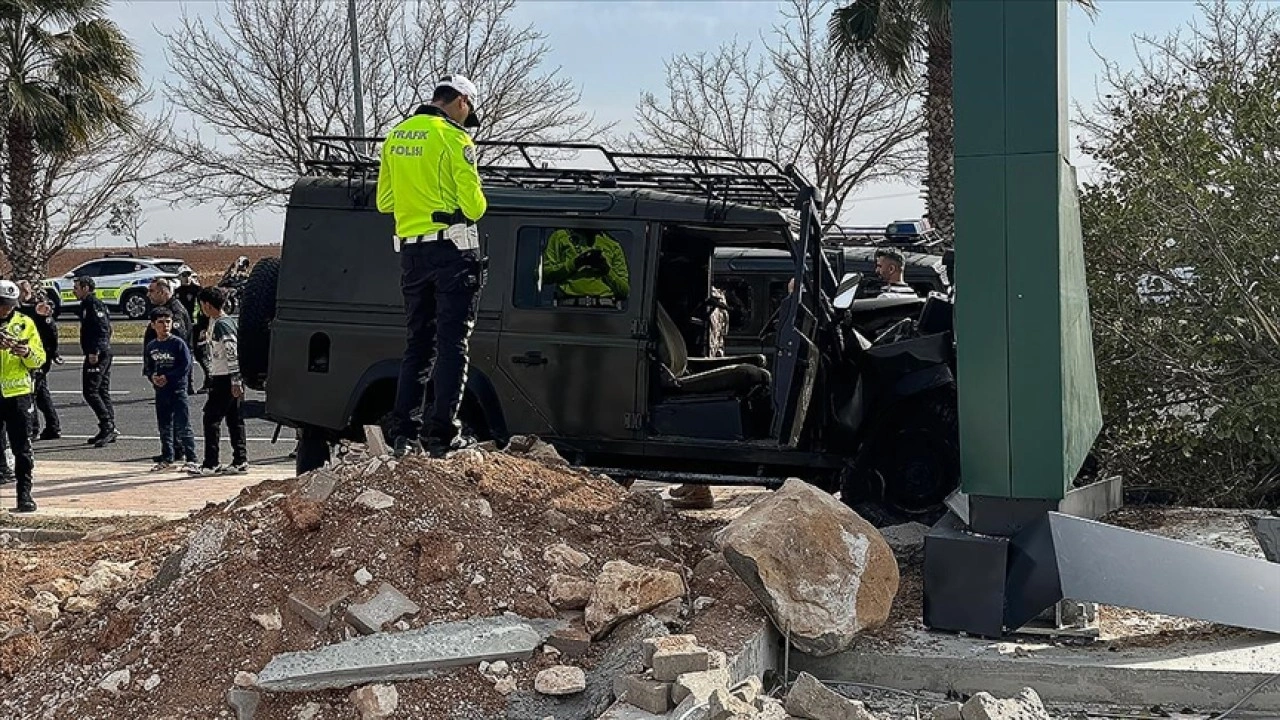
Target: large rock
(822, 572)
(624, 590)
(1026, 705)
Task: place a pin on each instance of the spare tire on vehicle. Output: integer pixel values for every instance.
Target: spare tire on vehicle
(257, 310)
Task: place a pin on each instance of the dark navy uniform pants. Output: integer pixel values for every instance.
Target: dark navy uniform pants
(441, 286)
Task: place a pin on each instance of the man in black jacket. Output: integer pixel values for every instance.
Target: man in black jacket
(35, 305)
(95, 342)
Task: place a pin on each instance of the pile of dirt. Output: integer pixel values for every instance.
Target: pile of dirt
(474, 536)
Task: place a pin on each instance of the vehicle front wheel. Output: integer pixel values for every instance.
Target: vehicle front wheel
(134, 305)
(911, 462)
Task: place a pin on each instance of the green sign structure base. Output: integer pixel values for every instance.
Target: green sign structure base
(1015, 542)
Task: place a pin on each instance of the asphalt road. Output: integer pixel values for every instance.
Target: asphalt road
(134, 401)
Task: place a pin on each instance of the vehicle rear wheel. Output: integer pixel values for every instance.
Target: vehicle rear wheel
(254, 325)
(911, 462)
(134, 304)
(313, 449)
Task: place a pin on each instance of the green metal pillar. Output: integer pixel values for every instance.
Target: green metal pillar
(1029, 408)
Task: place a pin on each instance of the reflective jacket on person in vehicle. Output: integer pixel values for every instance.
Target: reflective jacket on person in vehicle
(15, 371)
(427, 173)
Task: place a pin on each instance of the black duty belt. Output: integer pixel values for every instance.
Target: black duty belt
(606, 302)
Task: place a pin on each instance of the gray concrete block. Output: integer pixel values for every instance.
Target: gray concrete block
(375, 442)
(669, 664)
(387, 606)
(315, 608)
(645, 693)
(410, 655)
(1267, 532)
(245, 702)
(320, 486)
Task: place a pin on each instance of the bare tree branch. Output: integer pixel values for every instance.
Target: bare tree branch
(797, 102)
(267, 74)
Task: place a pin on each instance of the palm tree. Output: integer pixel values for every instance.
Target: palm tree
(66, 69)
(893, 36)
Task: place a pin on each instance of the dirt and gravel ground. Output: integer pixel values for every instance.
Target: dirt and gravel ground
(465, 538)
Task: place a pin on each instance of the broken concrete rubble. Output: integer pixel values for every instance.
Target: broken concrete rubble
(560, 680)
(1026, 705)
(948, 711)
(811, 700)
(387, 606)
(374, 500)
(375, 702)
(565, 558)
(316, 608)
(623, 590)
(244, 702)
(386, 657)
(834, 578)
(568, 592)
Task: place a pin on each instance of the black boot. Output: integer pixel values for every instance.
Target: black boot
(104, 437)
(7, 475)
(25, 503)
(51, 433)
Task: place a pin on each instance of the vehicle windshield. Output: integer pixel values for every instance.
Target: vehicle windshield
(170, 267)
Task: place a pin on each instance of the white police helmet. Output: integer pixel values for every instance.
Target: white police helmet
(9, 293)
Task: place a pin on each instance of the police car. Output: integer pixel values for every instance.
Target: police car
(122, 281)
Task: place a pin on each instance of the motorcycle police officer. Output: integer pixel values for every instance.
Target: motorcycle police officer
(428, 180)
(21, 352)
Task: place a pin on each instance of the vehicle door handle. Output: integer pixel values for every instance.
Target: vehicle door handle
(533, 357)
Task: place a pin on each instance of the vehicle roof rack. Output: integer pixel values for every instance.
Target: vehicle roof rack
(753, 181)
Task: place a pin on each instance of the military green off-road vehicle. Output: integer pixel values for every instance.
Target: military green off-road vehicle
(614, 374)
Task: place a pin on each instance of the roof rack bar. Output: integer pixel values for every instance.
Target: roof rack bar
(713, 178)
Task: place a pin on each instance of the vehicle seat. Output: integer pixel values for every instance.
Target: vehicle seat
(697, 376)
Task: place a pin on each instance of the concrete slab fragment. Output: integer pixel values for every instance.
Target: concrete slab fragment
(1207, 674)
(387, 606)
(410, 655)
(320, 486)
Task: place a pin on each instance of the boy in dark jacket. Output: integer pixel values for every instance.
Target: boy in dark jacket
(167, 363)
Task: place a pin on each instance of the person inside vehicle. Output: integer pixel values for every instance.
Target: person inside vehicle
(889, 268)
(588, 268)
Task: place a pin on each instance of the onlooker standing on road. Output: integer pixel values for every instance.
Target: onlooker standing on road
(20, 353)
(36, 306)
(225, 389)
(166, 362)
(95, 343)
(160, 294)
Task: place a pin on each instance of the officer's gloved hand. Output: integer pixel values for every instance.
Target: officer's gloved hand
(592, 262)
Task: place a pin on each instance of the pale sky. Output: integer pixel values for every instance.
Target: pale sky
(585, 38)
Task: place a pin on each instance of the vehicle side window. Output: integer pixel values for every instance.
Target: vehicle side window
(115, 267)
(93, 269)
(584, 268)
(737, 294)
(777, 293)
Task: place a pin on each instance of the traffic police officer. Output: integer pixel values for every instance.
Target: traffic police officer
(428, 180)
(21, 352)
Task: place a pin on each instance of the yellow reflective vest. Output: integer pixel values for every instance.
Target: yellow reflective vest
(428, 166)
(15, 372)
